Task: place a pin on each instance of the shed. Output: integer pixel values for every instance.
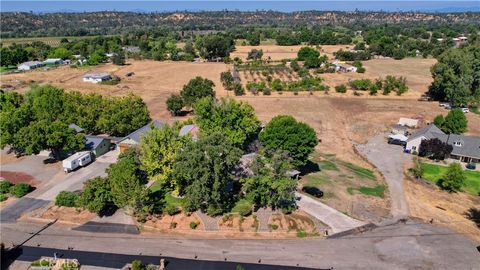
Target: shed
(97, 77)
(97, 145)
(409, 122)
(192, 129)
(30, 65)
(134, 138)
(53, 61)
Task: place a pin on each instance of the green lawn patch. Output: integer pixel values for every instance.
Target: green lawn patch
(5, 68)
(359, 171)
(475, 110)
(316, 179)
(377, 191)
(173, 201)
(433, 173)
(327, 165)
(243, 207)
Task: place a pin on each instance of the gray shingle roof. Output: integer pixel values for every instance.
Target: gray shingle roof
(431, 131)
(92, 142)
(470, 145)
(97, 75)
(137, 134)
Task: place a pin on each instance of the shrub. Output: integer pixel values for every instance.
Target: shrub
(175, 104)
(238, 90)
(244, 210)
(266, 92)
(21, 189)
(67, 198)
(454, 178)
(173, 225)
(5, 186)
(194, 225)
(361, 70)
(3, 197)
(361, 84)
(341, 88)
(172, 210)
(273, 226)
(137, 265)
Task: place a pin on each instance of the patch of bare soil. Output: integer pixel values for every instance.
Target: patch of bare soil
(292, 223)
(457, 211)
(237, 223)
(176, 223)
(68, 215)
(18, 177)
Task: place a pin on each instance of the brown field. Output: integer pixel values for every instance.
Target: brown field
(276, 52)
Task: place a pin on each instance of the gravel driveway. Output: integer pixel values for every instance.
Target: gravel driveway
(391, 162)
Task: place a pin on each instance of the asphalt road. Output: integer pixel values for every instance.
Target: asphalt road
(400, 246)
(391, 162)
(336, 220)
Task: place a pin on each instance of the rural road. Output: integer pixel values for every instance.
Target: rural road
(400, 246)
(391, 162)
(336, 220)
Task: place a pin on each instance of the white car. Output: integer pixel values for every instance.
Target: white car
(465, 110)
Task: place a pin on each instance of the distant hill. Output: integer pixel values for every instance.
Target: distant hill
(21, 24)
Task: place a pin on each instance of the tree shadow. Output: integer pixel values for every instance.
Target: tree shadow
(108, 211)
(309, 167)
(9, 255)
(474, 215)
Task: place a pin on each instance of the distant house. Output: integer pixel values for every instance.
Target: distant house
(53, 61)
(77, 128)
(193, 130)
(30, 65)
(465, 148)
(97, 145)
(341, 67)
(97, 77)
(131, 49)
(133, 139)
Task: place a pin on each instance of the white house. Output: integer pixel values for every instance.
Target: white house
(30, 65)
(426, 133)
(97, 77)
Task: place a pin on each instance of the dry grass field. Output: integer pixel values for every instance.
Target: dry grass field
(276, 52)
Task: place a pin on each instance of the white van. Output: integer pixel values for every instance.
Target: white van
(76, 160)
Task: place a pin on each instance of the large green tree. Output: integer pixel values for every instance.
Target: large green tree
(204, 172)
(307, 52)
(455, 122)
(196, 89)
(236, 120)
(286, 133)
(96, 195)
(454, 178)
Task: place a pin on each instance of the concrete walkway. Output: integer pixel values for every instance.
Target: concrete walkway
(391, 162)
(337, 221)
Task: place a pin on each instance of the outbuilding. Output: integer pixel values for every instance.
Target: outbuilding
(97, 145)
(53, 61)
(133, 139)
(30, 65)
(97, 77)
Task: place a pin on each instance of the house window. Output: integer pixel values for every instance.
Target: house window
(457, 143)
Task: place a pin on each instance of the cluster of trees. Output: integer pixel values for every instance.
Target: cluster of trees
(352, 56)
(194, 90)
(453, 180)
(230, 83)
(456, 76)
(18, 190)
(455, 122)
(311, 57)
(39, 119)
(387, 85)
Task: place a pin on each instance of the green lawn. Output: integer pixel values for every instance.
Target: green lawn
(4, 68)
(242, 206)
(433, 173)
(316, 179)
(327, 165)
(359, 171)
(377, 191)
(169, 199)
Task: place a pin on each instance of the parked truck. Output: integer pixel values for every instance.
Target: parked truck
(76, 160)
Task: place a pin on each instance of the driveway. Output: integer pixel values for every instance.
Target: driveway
(48, 190)
(336, 220)
(391, 162)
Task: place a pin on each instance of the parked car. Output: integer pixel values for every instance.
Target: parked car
(444, 104)
(314, 191)
(465, 110)
(471, 166)
(396, 142)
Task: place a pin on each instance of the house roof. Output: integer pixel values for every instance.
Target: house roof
(31, 63)
(97, 75)
(400, 127)
(429, 132)
(137, 134)
(77, 128)
(93, 142)
(189, 129)
(470, 145)
(52, 60)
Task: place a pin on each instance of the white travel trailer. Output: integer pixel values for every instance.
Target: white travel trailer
(76, 160)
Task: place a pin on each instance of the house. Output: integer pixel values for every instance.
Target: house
(192, 129)
(341, 67)
(53, 61)
(399, 129)
(133, 139)
(30, 65)
(97, 77)
(77, 128)
(131, 49)
(465, 148)
(97, 145)
(409, 122)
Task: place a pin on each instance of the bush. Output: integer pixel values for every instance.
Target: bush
(21, 189)
(238, 90)
(5, 186)
(173, 225)
(361, 70)
(67, 198)
(244, 210)
(454, 178)
(137, 265)
(341, 88)
(194, 225)
(175, 104)
(361, 84)
(273, 226)
(266, 92)
(172, 210)
(3, 197)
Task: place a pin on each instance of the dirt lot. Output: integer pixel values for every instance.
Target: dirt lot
(276, 52)
(458, 211)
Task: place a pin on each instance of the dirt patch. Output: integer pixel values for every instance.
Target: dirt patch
(276, 52)
(176, 223)
(453, 210)
(18, 177)
(69, 215)
(237, 223)
(292, 223)
(8, 201)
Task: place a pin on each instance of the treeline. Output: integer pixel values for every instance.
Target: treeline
(39, 119)
(456, 76)
(19, 24)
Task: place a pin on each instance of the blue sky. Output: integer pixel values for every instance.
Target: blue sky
(196, 5)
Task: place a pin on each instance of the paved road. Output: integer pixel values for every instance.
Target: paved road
(336, 220)
(391, 162)
(400, 246)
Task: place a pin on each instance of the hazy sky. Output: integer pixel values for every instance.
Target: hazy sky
(149, 6)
